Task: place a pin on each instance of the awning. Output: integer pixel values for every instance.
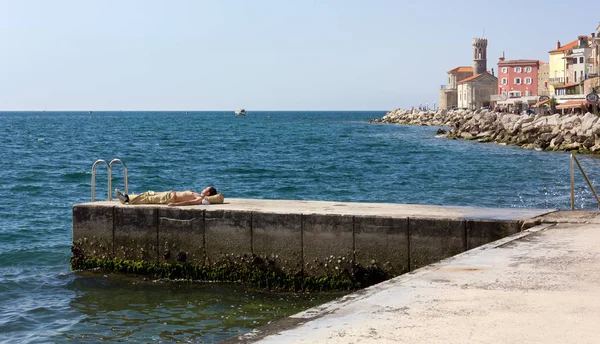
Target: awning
(566, 86)
(540, 103)
(571, 104)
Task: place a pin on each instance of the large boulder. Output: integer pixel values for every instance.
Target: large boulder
(587, 123)
(570, 122)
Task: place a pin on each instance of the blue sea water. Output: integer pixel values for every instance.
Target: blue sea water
(334, 156)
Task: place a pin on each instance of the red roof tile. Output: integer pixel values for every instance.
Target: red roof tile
(471, 78)
(461, 69)
(571, 104)
(567, 85)
(565, 47)
(518, 62)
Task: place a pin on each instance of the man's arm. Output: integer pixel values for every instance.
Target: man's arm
(196, 201)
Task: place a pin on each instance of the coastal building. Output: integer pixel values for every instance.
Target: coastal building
(579, 60)
(592, 82)
(543, 76)
(479, 55)
(448, 92)
(470, 87)
(558, 67)
(517, 83)
(474, 92)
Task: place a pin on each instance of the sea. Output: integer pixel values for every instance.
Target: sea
(47, 160)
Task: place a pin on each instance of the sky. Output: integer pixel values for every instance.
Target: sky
(260, 54)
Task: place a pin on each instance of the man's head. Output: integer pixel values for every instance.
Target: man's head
(209, 191)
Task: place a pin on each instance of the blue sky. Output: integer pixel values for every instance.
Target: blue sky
(260, 55)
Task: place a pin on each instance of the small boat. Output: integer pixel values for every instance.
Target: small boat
(240, 112)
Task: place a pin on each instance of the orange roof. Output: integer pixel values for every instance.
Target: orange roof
(461, 69)
(474, 77)
(518, 62)
(567, 85)
(565, 47)
(571, 104)
(471, 78)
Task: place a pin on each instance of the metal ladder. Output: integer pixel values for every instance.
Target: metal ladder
(573, 162)
(109, 168)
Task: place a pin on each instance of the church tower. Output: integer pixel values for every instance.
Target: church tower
(479, 55)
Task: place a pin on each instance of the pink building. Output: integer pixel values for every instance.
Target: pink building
(518, 78)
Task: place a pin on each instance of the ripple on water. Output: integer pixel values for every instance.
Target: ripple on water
(332, 156)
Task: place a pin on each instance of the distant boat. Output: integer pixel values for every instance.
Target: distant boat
(240, 112)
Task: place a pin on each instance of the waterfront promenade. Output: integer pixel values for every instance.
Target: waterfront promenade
(541, 285)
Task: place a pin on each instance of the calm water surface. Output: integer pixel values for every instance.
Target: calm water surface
(334, 156)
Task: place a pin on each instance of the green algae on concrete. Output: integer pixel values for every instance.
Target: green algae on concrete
(253, 271)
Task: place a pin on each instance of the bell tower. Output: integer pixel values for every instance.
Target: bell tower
(479, 55)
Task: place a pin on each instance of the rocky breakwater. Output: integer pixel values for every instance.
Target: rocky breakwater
(546, 132)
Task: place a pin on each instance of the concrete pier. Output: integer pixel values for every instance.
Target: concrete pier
(318, 239)
(541, 285)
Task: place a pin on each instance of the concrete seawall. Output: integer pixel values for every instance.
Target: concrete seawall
(290, 238)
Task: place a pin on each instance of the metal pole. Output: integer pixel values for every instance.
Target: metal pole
(572, 182)
(587, 180)
(99, 161)
(125, 179)
(109, 183)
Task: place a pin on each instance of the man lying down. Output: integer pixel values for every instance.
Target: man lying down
(173, 198)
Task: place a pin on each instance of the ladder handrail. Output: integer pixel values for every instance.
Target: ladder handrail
(109, 172)
(573, 162)
(98, 162)
(110, 177)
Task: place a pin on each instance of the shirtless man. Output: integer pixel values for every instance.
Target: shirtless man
(171, 198)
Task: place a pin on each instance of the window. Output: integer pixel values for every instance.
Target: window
(517, 69)
(504, 81)
(527, 69)
(574, 60)
(527, 93)
(528, 81)
(581, 59)
(517, 81)
(504, 70)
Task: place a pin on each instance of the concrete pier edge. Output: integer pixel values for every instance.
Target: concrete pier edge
(335, 244)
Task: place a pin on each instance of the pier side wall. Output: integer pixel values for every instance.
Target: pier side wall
(313, 244)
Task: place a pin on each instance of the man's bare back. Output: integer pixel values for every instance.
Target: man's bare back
(187, 195)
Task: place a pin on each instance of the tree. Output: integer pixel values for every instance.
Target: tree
(552, 102)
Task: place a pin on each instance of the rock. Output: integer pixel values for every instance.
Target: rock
(547, 137)
(571, 146)
(543, 144)
(539, 132)
(589, 142)
(588, 121)
(467, 136)
(485, 134)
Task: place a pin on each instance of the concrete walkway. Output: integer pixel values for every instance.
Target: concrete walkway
(356, 208)
(538, 286)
